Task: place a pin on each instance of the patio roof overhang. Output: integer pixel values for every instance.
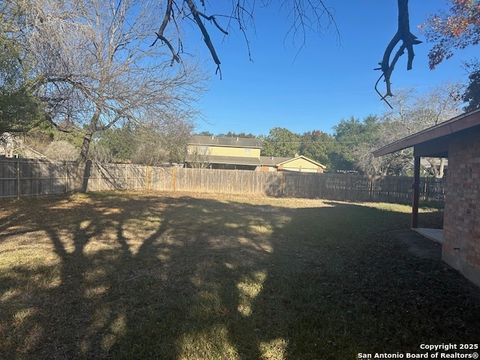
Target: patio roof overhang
(433, 141)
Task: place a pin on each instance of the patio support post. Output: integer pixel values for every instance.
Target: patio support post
(416, 191)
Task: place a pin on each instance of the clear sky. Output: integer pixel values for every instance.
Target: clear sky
(329, 79)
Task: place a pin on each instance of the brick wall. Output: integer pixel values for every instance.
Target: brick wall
(462, 206)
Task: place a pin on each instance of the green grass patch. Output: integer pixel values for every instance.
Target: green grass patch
(176, 276)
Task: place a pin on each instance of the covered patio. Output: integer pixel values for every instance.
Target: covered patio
(458, 140)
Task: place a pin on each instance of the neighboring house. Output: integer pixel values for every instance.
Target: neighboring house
(458, 140)
(243, 154)
(297, 164)
(223, 152)
(11, 147)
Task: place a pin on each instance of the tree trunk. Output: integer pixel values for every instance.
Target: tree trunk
(86, 175)
(87, 139)
(87, 164)
(85, 147)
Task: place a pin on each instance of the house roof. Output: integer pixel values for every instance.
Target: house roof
(231, 160)
(226, 141)
(272, 160)
(253, 161)
(455, 125)
(304, 158)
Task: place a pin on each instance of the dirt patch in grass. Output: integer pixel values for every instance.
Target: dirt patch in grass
(177, 276)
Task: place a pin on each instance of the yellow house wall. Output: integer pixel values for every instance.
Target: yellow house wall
(302, 170)
(224, 151)
(297, 164)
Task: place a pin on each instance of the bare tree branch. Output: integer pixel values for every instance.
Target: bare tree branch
(206, 36)
(307, 14)
(407, 39)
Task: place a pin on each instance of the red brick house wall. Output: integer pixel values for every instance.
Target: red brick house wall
(461, 248)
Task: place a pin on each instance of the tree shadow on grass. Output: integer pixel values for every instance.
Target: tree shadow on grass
(348, 286)
(115, 276)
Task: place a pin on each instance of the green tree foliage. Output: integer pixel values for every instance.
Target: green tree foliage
(227, 134)
(318, 146)
(457, 29)
(120, 142)
(238, 134)
(142, 144)
(11, 72)
(281, 142)
(472, 92)
(205, 133)
(349, 135)
(19, 109)
(353, 131)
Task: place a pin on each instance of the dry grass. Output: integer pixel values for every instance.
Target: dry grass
(176, 276)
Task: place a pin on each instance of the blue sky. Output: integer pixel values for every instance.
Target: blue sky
(329, 79)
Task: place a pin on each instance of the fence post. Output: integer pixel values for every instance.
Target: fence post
(18, 178)
(65, 167)
(370, 188)
(125, 177)
(148, 178)
(416, 191)
(174, 179)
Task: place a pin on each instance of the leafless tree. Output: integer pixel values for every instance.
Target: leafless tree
(198, 156)
(94, 66)
(398, 163)
(158, 143)
(417, 112)
(412, 113)
(439, 105)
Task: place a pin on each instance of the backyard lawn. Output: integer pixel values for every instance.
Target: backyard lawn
(177, 276)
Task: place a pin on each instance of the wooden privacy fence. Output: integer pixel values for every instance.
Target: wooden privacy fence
(33, 177)
(24, 177)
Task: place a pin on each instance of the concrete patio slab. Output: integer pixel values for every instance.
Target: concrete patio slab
(431, 234)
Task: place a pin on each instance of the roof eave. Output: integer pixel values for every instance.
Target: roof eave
(452, 126)
(234, 146)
